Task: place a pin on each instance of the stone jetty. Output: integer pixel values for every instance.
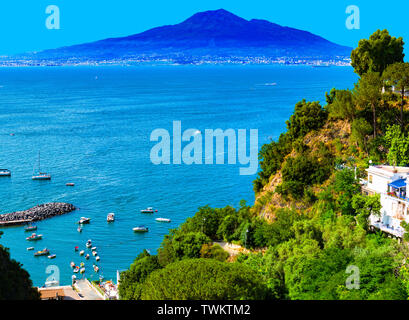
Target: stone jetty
(40, 212)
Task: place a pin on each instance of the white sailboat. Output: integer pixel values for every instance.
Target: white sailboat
(40, 175)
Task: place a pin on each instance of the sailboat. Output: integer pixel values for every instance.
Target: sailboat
(40, 175)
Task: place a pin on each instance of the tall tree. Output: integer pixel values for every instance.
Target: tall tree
(15, 282)
(397, 75)
(368, 93)
(377, 52)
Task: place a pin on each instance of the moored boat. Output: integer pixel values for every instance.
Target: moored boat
(111, 217)
(70, 184)
(97, 258)
(76, 269)
(30, 248)
(43, 252)
(82, 270)
(81, 252)
(5, 173)
(140, 229)
(94, 249)
(163, 220)
(40, 175)
(30, 228)
(52, 256)
(149, 210)
(72, 264)
(34, 237)
(79, 229)
(87, 256)
(88, 244)
(84, 220)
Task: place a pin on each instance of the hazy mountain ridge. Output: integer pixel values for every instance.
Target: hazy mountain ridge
(212, 36)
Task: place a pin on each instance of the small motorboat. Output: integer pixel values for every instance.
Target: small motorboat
(87, 256)
(43, 252)
(94, 249)
(70, 184)
(94, 253)
(30, 248)
(111, 217)
(84, 220)
(82, 252)
(82, 270)
(76, 248)
(72, 264)
(52, 256)
(5, 173)
(148, 210)
(163, 220)
(34, 237)
(88, 244)
(30, 228)
(97, 258)
(76, 269)
(79, 229)
(140, 229)
(96, 269)
(82, 264)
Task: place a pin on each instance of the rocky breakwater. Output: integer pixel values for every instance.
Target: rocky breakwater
(40, 212)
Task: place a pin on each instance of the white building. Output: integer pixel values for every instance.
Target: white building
(391, 183)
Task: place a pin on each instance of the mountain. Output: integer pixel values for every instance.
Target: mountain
(212, 35)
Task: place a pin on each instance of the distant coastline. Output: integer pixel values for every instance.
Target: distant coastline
(27, 62)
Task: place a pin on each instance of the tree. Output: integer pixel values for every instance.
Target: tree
(15, 282)
(342, 105)
(377, 52)
(360, 129)
(307, 116)
(397, 75)
(204, 279)
(368, 93)
(213, 251)
(365, 206)
(398, 144)
(132, 279)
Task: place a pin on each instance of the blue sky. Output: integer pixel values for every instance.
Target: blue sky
(23, 21)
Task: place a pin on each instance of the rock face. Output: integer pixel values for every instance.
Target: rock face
(39, 212)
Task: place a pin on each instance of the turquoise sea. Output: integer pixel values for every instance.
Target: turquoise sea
(92, 126)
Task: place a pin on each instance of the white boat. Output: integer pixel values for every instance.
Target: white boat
(81, 252)
(97, 258)
(94, 249)
(82, 270)
(52, 256)
(140, 229)
(88, 244)
(40, 175)
(149, 210)
(72, 264)
(84, 220)
(111, 217)
(5, 173)
(30, 248)
(94, 253)
(87, 256)
(76, 269)
(163, 220)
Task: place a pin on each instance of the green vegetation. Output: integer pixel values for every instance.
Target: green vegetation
(309, 224)
(207, 279)
(15, 283)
